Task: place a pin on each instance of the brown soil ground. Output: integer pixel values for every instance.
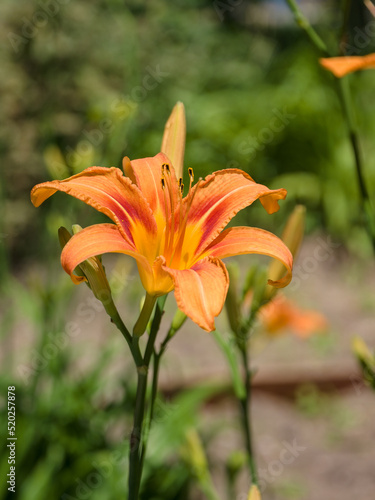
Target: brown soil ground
(332, 426)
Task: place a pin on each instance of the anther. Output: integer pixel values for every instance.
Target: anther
(191, 174)
(182, 188)
(162, 183)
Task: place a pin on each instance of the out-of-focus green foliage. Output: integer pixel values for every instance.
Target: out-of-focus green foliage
(93, 81)
(72, 430)
(84, 83)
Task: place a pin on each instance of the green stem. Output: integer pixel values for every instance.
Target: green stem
(134, 347)
(304, 24)
(155, 375)
(142, 322)
(153, 332)
(135, 470)
(137, 467)
(348, 109)
(245, 408)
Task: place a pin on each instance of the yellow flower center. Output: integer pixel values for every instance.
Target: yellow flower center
(175, 219)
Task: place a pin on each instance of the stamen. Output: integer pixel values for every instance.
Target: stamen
(182, 188)
(191, 174)
(182, 228)
(166, 212)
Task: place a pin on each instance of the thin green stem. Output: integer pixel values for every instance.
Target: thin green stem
(153, 332)
(134, 347)
(145, 315)
(246, 420)
(348, 109)
(135, 470)
(156, 364)
(304, 24)
(143, 434)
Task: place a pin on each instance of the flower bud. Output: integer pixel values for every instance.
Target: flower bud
(236, 461)
(292, 237)
(195, 454)
(64, 237)
(362, 352)
(55, 163)
(254, 493)
(178, 320)
(366, 360)
(174, 137)
(92, 269)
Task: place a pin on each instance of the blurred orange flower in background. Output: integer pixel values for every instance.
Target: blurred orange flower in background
(280, 314)
(341, 66)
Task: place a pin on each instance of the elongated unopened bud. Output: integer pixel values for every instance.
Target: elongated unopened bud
(292, 237)
(55, 163)
(178, 320)
(362, 352)
(173, 143)
(64, 236)
(254, 493)
(94, 272)
(235, 463)
(195, 453)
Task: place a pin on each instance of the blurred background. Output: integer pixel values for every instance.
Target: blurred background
(85, 83)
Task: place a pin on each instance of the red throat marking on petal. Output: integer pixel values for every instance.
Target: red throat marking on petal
(175, 220)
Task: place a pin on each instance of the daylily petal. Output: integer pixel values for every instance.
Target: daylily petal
(218, 198)
(146, 173)
(96, 240)
(341, 66)
(243, 240)
(201, 290)
(109, 192)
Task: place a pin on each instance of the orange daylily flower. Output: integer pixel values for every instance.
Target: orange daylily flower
(176, 241)
(341, 66)
(281, 313)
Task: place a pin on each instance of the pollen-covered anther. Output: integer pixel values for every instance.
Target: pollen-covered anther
(191, 174)
(162, 183)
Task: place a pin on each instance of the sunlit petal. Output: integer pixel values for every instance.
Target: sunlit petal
(219, 197)
(146, 173)
(201, 290)
(96, 240)
(244, 240)
(109, 192)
